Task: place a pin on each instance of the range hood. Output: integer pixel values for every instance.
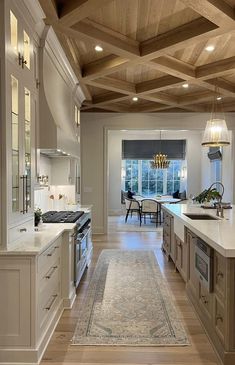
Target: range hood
(59, 92)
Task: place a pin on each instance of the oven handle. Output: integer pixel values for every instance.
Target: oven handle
(84, 235)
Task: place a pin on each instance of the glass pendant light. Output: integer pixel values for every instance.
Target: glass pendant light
(216, 133)
(160, 160)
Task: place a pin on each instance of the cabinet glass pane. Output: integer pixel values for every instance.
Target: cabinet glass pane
(14, 32)
(26, 49)
(27, 147)
(15, 143)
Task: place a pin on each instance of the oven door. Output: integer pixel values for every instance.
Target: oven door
(203, 268)
(80, 252)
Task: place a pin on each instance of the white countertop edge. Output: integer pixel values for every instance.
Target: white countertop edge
(226, 252)
(22, 247)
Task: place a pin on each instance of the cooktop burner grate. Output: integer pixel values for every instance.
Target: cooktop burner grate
(61, 216)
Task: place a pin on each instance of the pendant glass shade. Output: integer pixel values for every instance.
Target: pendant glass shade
(216, 133)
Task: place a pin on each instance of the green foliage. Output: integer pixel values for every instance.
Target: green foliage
(207, 195)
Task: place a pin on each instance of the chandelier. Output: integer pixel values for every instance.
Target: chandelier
(216, 133)
(160, 160)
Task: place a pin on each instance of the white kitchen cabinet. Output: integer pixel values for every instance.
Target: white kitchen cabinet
(19, 74)
(15, 299)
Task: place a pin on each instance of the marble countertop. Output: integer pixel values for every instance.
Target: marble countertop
(35, 242)
(219, 234)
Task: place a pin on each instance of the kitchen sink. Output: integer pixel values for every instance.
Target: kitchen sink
(205, 217)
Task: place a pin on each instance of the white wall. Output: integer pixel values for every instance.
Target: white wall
(94, 146)
(192, 183)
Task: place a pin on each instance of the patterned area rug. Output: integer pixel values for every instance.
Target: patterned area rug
(128, 303)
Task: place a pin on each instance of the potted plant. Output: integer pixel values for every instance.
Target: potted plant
(37, 216)
(207, 195)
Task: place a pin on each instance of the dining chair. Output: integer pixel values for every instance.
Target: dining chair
(152, 208)
(132, 206)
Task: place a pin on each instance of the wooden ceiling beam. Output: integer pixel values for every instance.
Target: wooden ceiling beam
(103, 66)
(107, 40)
(159, 84)
(217, 11)
(115, 85)
(179, 37)
(215, 69)
(174, 67)
(74, 11)
(50, 9)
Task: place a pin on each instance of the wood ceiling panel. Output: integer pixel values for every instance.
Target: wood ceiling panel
(180, 91)
(138, 74)
(197, 55)
(150, 48)
(143, 19)
(87, 52)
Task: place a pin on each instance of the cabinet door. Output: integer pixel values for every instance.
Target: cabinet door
(181, 253)
(192, 279)
(20, 147)
(15, 302)
(19, 40)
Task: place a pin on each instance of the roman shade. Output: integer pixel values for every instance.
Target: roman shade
(145, 149)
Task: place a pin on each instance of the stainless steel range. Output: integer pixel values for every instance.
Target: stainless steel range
(81, 236)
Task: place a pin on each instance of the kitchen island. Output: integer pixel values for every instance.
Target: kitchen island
(37, 280)
(203, 251)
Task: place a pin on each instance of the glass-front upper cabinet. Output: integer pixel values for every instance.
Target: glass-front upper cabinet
(20, 45)
(15, 153)
(21, 145)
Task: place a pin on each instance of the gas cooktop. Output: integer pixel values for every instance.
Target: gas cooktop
(61, 216)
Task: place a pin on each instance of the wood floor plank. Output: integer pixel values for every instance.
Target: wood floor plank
(200, 352)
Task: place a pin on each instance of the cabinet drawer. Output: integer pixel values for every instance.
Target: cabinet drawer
(47, 307)
(49, 257)
(206, 300)
(219, 318)
(219, 274)
(48, 280)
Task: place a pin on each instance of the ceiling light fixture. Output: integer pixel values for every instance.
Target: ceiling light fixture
(135, 98)
(98, 48)
(185, 85)
(160, 160)
(216, 133)
(218, 97)
(210, 48)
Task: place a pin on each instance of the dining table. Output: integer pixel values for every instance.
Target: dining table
(161, 199)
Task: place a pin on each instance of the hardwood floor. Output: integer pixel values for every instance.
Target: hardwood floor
(200, 352)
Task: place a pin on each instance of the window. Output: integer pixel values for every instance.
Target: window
(138, 176)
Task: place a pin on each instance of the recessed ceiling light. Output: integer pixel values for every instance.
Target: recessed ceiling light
(218, 97)
(210, 48)
(123, 130)
(185, 85)
(135, 98)
(58, 150)
(98, 48)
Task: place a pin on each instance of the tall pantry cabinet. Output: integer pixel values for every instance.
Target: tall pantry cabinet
(19, 104)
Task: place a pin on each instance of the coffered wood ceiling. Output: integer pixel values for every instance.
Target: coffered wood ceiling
(150, 49)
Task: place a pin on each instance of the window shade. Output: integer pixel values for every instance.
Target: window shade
(145, 149)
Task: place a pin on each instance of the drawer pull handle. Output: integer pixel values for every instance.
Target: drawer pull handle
(52, 302)
(179, 244)
(219, 274)
(52, 251)
(23, 229)
(52, 270)
(219, 318)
